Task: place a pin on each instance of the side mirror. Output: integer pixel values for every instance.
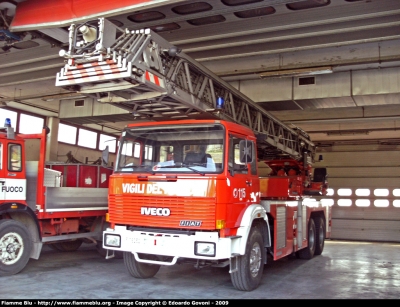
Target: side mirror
(105, 156)
(246, 151)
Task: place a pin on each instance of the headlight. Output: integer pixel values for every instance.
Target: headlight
(204, 249)
(112, 240)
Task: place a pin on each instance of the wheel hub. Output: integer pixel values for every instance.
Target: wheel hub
(255, 260)
(11, 248)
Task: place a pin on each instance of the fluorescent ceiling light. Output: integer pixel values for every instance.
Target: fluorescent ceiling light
(297, 72)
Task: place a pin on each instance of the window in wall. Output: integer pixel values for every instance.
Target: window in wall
(344, 202)
(106, 140)
(327, 202)
(396, 192)
(87, 138)
(30, 124)
(381, 203)
(311, 202)
(136, 150)
(126, 158)
(396, 203)
(127, 148)
(344, 192)
(67, 134)
(330, 192)
(166, 153)
(362, 192)
(363, 202)
(148, 152)
(381, 192)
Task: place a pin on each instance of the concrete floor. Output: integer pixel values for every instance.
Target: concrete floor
(345, 270)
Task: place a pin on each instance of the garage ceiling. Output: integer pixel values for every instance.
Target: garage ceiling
(330, 67)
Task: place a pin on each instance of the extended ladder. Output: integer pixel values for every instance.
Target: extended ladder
(143, 73)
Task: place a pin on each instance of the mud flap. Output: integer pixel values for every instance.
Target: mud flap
(233, 263)
(110, 254)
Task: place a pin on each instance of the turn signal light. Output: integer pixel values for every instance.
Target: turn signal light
(220, 224)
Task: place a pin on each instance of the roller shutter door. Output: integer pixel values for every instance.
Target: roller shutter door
(364, 192)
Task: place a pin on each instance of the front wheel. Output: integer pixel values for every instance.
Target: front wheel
(320, 236)
(15, 247)
(251, 265)
(139, 269)
(308, 252)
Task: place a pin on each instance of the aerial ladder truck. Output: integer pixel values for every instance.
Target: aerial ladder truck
(186, 186)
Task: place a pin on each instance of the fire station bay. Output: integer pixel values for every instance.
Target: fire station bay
(177, 152)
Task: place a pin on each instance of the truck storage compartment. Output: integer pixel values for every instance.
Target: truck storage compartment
(76, 199)
(82, 175)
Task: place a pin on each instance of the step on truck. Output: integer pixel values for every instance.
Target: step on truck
(58, 204)
(187, 185)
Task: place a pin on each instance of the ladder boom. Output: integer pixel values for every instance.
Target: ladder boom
(143, 73)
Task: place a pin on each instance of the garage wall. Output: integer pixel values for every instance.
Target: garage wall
(364, 193)
(79, 153)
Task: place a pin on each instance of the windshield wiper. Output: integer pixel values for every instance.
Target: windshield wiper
(146, 168)
(183, 165)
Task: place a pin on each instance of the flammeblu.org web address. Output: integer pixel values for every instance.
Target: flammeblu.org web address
(73, 303)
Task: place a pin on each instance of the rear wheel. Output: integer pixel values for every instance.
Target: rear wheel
(15, 247)
(251, 264)
(140, 269)
(308, 252)
(320, 235)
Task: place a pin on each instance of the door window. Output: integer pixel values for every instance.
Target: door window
(14, 158)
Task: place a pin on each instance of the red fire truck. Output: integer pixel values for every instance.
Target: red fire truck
(186, 187)
(58, 204)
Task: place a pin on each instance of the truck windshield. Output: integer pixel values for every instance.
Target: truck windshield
(191, 148)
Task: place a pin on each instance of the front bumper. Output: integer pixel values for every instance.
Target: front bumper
(194, 245)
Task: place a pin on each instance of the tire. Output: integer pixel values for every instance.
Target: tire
(309, 251)
(139, 269)
(320, 235)
(251, 264)
(15, 247)
(68, 246)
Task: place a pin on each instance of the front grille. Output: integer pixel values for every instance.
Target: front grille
(126, 210)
